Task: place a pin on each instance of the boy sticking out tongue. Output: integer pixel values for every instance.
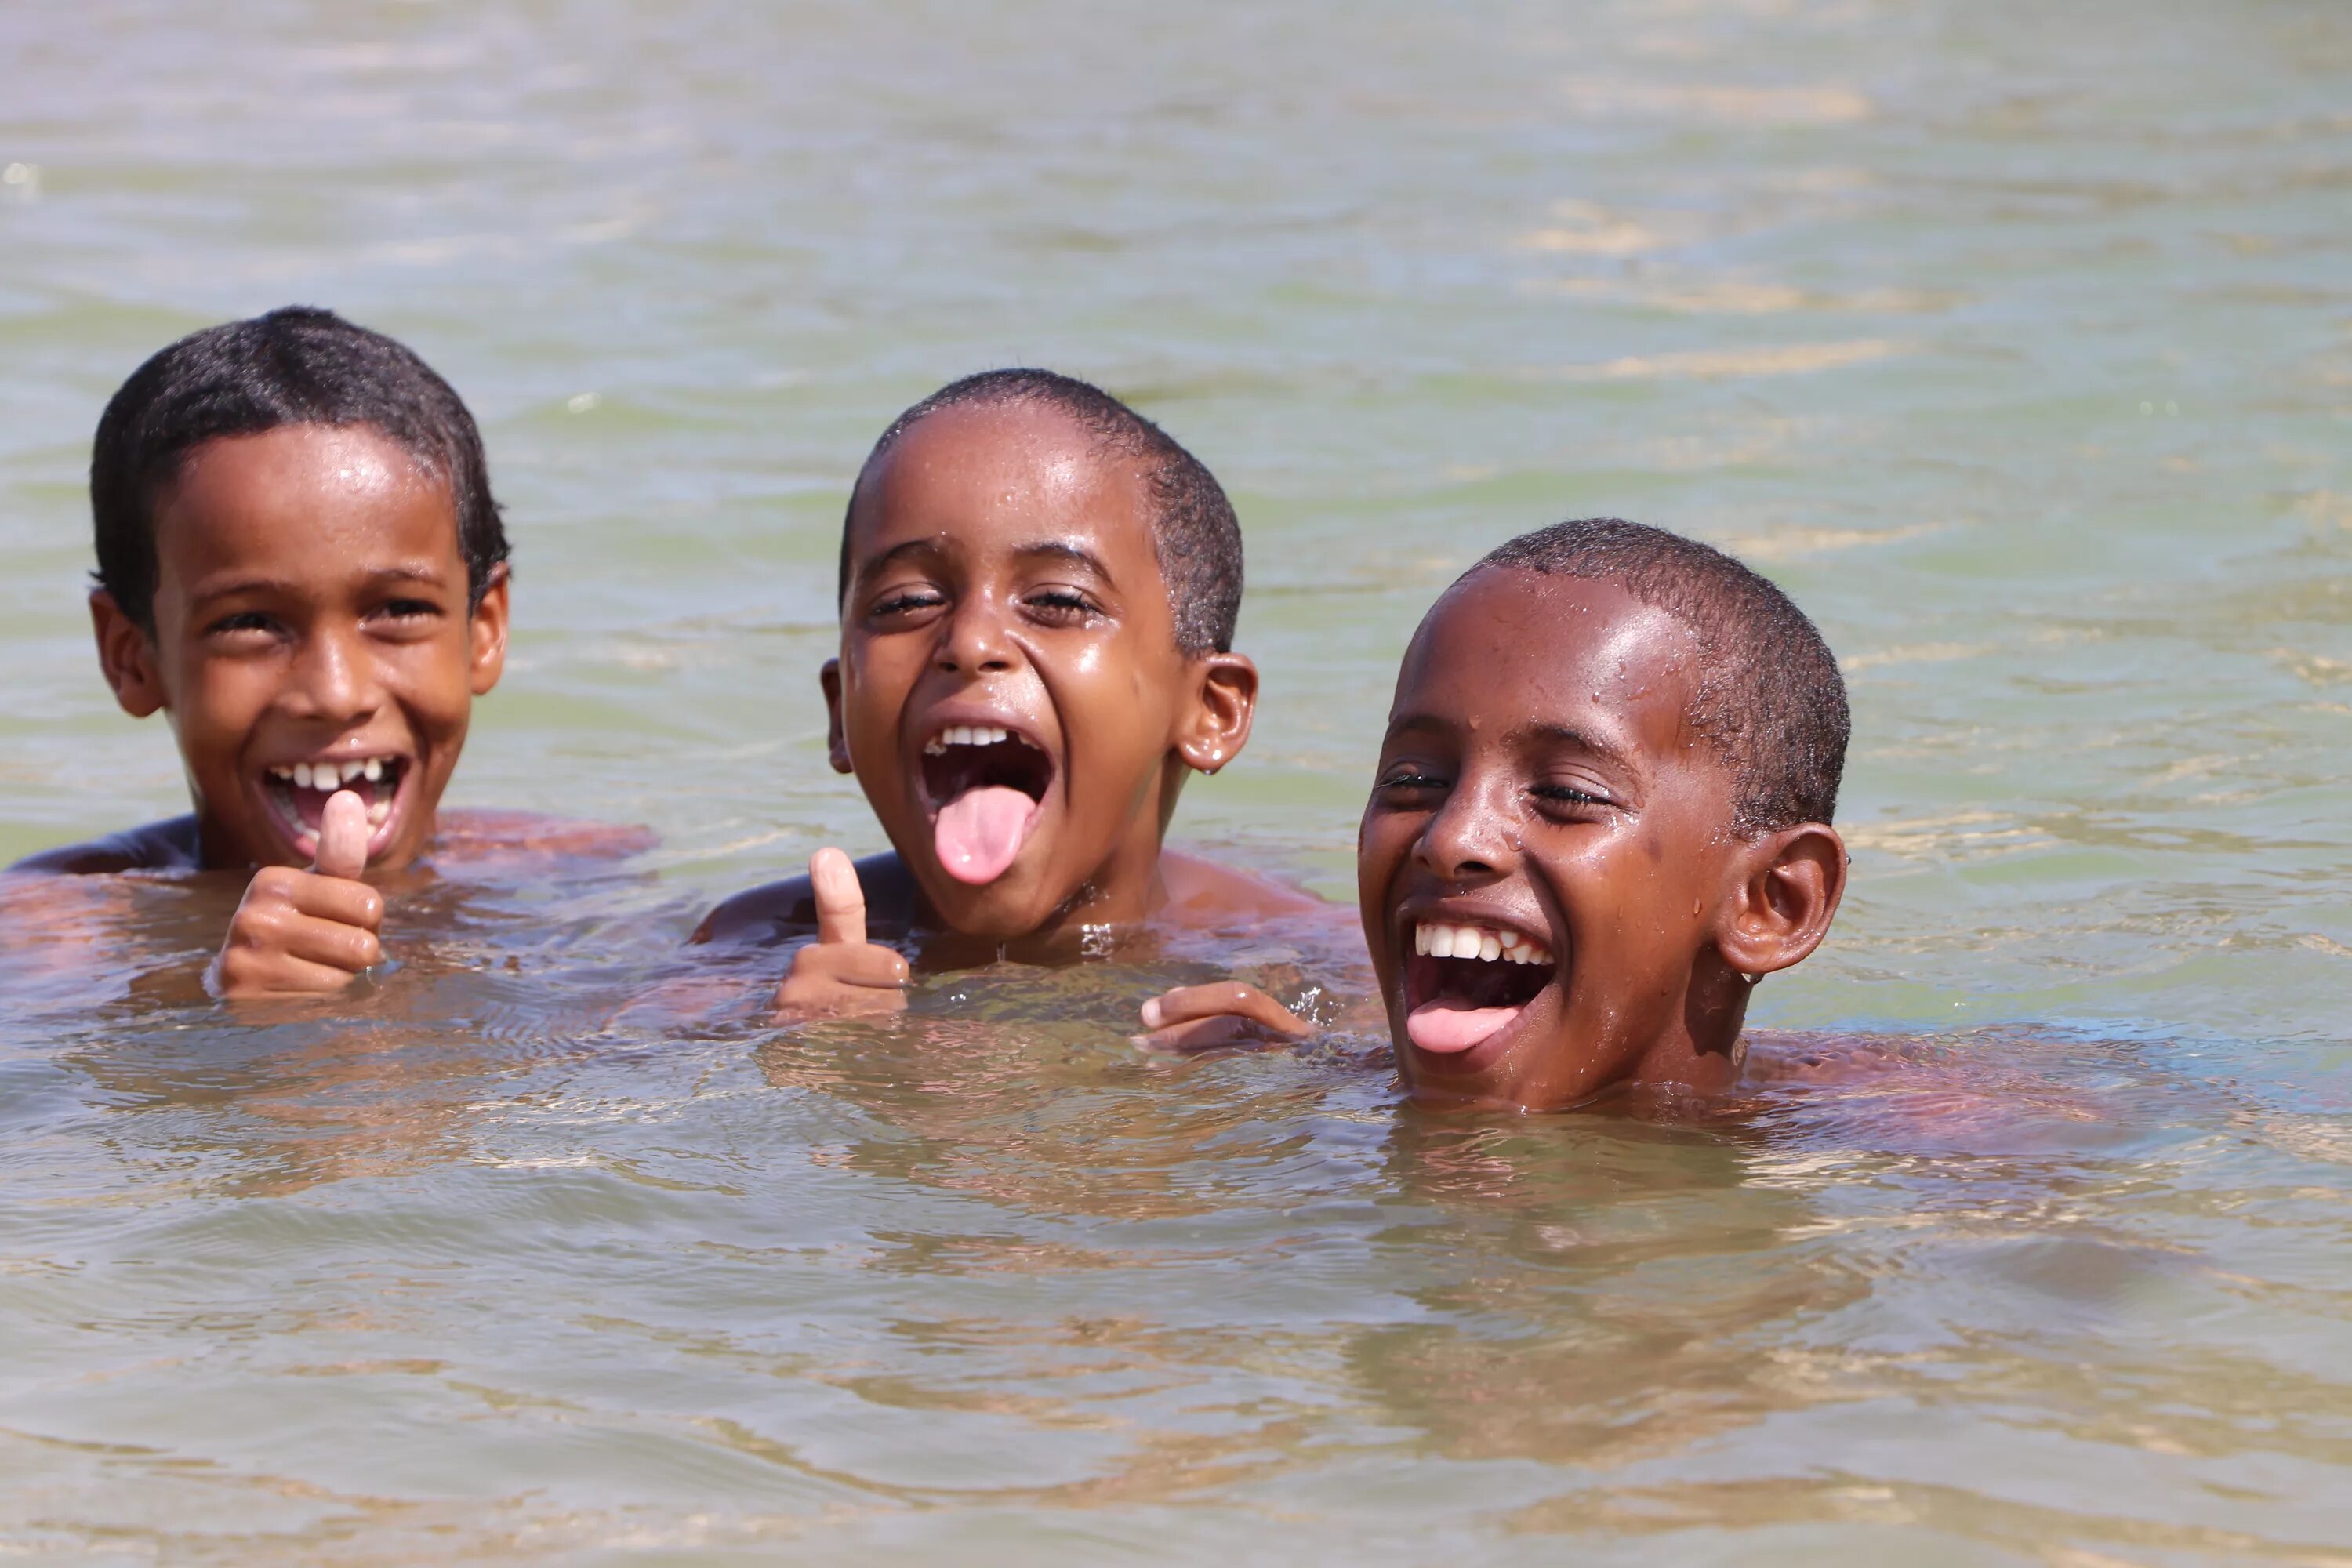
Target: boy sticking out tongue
(1602, 815)
(1038, 591)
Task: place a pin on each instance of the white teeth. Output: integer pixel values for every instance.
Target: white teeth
(379, 814)
(1441, 941)
(331, 776)
(966, 735)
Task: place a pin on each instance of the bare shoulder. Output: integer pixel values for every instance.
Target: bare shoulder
(518, 837)
(1202, 891)
(776, 910)
(167, 845)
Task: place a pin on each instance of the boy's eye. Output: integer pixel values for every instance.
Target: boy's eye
(243, 621)
(1060, 604)
(906, 601)
(1411, 781)
(1568, 796)
(409, 609)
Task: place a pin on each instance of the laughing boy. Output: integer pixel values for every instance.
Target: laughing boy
(1602, 815)
(300, 565)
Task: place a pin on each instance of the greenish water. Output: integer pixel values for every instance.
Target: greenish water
(2016, 341)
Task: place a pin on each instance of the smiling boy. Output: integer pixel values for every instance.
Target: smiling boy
(300, 564)
(1602, 815)
(1038, 592)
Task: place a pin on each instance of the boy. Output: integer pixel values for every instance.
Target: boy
(300, 564)
(1039, 590)
(1602, 815)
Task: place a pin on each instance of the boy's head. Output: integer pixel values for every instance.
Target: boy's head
(1038, 592)
(298, 560)
(1601, 814)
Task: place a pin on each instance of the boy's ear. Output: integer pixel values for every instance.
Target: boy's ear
(1225, 702)
(489, 629)
(1788, 885)
(836, 740)
(127, 655)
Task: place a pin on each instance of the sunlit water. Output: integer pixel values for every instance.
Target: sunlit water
(2016, 340)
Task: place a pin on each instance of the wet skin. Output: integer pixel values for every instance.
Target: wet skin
(311, 606)
(1539, 774)
(1002, 574)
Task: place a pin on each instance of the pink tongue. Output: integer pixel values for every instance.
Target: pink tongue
(1435, 1027)
(979, 832)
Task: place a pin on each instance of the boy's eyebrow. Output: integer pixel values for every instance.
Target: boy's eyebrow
(1066, 550)
(1557, 735)
(1058, 549)
(410, 572)
(1582, 740)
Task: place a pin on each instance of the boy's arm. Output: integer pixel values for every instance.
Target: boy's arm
(169, 846)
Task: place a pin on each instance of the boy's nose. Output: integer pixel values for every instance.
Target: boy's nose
(976, 642)
(334, 681)
(1470, 836)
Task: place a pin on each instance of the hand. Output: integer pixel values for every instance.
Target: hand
(306, 932)
(840, 973)
(1197, 1017)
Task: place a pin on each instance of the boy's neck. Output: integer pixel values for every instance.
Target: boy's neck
(1119, 894)
(1701, 1053)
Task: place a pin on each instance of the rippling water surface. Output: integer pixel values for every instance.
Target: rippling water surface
(2016, 340)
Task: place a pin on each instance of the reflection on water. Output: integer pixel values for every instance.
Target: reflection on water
(2016, 341)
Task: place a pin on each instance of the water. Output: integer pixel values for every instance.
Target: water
(2016, 341)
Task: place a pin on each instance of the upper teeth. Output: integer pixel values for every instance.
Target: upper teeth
(330, 776)
(966, 735)
(1441, 941)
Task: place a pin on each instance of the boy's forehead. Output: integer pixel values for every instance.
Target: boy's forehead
(299, 495)
(1506, 648)
(977, 470)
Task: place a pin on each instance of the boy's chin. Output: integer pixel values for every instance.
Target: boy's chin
(1006, 910)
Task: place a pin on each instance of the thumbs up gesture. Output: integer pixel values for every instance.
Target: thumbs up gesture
(306, 932)
(840, 973)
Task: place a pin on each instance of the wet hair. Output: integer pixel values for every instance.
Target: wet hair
(293, 366)
(1769, 695)
(1195, 534)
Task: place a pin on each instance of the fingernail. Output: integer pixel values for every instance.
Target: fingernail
(1152, 1013)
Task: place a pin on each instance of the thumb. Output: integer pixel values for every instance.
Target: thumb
(342, 837)
(840, 901)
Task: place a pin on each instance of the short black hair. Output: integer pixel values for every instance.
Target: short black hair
(1769, 695)
(297, 365)
(1194, 533)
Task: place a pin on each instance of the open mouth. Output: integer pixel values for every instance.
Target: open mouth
(297, 796)
(984, 784)
(1466, 984)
